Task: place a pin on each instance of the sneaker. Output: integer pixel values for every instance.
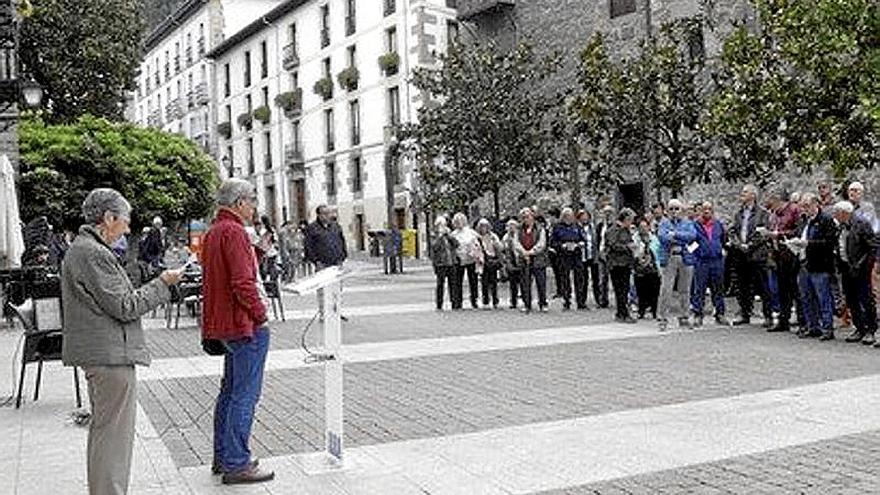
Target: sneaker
(525, 310)
(830, 336)
(544, 309)
(868, 339)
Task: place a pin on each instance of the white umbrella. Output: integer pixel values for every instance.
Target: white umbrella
(11, 240)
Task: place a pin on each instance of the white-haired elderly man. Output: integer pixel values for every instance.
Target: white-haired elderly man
(569, 241)
(677, 235)
(102, 334)
(530, 245)
(444, 258)
(856, 251)
(748, 251)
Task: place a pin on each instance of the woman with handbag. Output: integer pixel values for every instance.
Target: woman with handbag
(491, 248)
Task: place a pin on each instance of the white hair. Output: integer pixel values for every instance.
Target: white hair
(440, 221)
(233, 190)
(675, 203)
(856, 185)
(104, 200)
(843, 206)
(459, 220)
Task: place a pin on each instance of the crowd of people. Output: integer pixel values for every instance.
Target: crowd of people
(806, 256)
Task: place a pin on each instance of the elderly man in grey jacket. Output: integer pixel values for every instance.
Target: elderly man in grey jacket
(103, 335)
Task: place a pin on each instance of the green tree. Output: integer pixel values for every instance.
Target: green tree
(802, 90)
(486, 123)
(645, 109)
(159, 173)
(84, 53)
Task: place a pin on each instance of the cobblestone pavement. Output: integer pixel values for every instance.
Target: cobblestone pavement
(437, 396)
(846, 465)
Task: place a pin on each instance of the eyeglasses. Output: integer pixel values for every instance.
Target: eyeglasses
(674, 208)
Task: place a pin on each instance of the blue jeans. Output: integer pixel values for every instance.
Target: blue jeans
(239, 393)
(817, 301)
(540, 276)
(708, 273)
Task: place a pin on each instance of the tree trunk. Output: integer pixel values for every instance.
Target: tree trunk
(496, 203)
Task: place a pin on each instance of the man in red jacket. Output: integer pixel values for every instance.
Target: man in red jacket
(235, 316)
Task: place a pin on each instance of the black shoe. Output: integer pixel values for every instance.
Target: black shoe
(217, 470)
(566, 306)
(856, 336)
(742, 320)
(582, 308)
(830, 336)
(721, 320)
(781, 327)
(250, 474)
(343, 317)
(629, 320)
(868, 339)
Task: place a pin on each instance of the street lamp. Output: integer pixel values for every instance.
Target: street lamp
(32, 93)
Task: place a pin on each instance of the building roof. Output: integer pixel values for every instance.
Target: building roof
(255, 27)
(166, 27)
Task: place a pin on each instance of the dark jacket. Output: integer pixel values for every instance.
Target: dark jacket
(861, 245)
(444, 251)
(101, 308)
(152, 248)
(231, 301)
(324, 244)
(821, 242)
(710, 248)
(571, 235)
(617, 247)
(755, 247)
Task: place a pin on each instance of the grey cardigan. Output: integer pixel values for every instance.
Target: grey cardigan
(102, 309)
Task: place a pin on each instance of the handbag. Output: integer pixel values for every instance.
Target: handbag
(214, 347)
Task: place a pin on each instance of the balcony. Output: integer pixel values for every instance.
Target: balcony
(350, 25)
(390, 7)
(468, 9)
(173, 110)
(201, 45)
(290, 59)
(201, 92)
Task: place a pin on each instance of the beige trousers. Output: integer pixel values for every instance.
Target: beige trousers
(113, 396)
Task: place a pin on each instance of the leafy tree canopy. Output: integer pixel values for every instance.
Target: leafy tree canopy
(84, 53)
(485, 123)
(159, 173)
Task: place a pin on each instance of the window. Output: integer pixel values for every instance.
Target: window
(394, 106)
(291, 30)
(230, 162)
(229, 113)
(390, 7)
(350, 23)
(227, 82)
(326, 66)
(176, 56)
(393, 167)
(248, 104)
(391, 39)
(264, 60)
(265, 96)
(355, 118)
(267, 141)
(451, 32)
(247, 69)
(352, 56)
(331, 178)
(328, 130)
(325, 26)
(357, 184)
(622, 7)
(294, 134)
(294, 80)
(250, 155)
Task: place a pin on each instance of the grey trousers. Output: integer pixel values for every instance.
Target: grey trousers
(675, 288)
(113, 396)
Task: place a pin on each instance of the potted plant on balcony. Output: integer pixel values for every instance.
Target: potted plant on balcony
(263, 114)
(290, 101)
(225, 129)
(324, 88)
(348, 78)
(246, 120)
(389, 63)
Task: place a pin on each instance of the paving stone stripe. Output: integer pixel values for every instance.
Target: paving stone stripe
(163, 369)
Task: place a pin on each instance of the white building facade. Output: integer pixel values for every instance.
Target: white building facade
(307, 110)
(175, 85)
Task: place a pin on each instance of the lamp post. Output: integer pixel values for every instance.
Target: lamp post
(14, 88)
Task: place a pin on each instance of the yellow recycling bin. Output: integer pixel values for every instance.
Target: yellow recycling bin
(410, 237)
